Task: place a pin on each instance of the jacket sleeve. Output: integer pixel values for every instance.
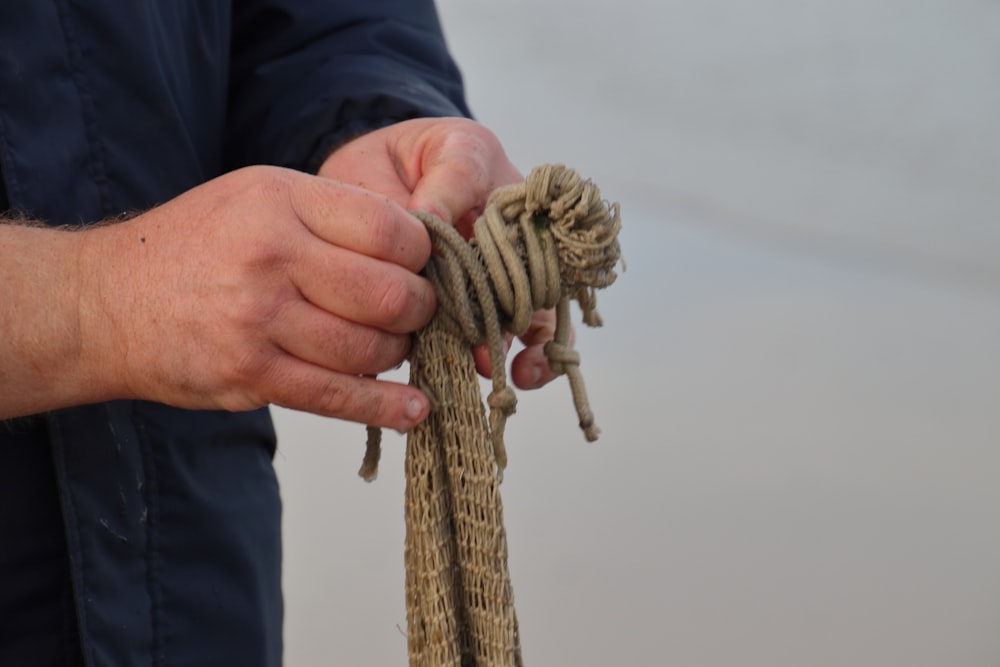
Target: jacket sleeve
(308, 74)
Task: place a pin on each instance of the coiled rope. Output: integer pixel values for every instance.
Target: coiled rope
(538, 245)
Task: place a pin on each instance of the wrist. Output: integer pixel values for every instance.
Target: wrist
(43, 350)
(100, 304)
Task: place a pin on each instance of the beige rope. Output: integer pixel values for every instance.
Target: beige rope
(537, 245)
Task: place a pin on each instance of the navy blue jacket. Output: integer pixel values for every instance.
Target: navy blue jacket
(133, 533)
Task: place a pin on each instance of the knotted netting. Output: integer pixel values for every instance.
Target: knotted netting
(538, 245)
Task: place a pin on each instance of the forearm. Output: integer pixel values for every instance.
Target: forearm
(43, 356)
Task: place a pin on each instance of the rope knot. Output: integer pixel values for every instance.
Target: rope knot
(561, 357)
(503, 403)
(538, 245)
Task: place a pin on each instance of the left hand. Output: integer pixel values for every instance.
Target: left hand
(447, 167)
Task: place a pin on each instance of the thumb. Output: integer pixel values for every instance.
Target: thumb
(458, 173)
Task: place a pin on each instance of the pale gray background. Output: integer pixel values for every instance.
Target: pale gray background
(798, 381)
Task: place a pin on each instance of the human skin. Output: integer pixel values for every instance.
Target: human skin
(261, 286)
(447, 167)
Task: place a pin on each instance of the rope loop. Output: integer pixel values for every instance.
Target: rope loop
(537, 245)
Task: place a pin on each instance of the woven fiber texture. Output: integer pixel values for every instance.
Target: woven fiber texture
(538, 245)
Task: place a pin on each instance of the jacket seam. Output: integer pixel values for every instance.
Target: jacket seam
(98, 168)
(72, 527)
(150, 495)
(8, 178)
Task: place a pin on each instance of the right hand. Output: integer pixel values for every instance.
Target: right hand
(262, 286)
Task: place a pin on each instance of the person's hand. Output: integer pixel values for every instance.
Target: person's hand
(262, 286)
(447, 167)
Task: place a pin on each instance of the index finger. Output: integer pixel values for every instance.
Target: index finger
(361, 221)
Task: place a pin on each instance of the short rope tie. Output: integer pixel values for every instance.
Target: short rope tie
(538, 245)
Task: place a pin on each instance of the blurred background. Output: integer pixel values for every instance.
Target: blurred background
(798, 381)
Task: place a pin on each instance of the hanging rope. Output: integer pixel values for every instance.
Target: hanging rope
(538, 245)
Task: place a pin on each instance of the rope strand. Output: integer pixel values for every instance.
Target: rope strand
(537, 245)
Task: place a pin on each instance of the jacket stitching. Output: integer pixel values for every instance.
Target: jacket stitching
(72, 528)
(7, 175)
(150, 494)
(98, 169)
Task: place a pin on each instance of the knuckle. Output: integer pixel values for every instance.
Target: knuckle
(369, 354)
(334, 398)
(259, 181)
(467, 129)
(391, 352)
(267, 256)
(396, 303)
(242, 383)
(248, 369)
(397, 236)
(385, 234)
(251, 312)
(475, 150)
(343, 400)
(268, 178)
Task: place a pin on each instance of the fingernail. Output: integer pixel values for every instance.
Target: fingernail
(414, 409)
(536, 376)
